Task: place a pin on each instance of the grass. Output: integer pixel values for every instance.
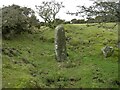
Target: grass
(29, 61)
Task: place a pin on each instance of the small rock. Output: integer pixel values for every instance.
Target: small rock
(107, 51)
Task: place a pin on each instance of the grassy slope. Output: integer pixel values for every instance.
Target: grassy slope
(32, 62)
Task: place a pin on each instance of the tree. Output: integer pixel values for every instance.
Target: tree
(98, 19)
(90, 20)
(58, 21)
(15, 19)
(74, 21)
(67, 22)
(48, 10)
(33, 21)
(103, 11)
(106, 10)
(78, 21)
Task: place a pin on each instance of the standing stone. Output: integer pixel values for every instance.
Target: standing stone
(60, 43)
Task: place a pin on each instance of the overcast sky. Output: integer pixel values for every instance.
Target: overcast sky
(70, 5)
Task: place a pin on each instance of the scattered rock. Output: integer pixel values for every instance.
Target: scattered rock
(107, 51)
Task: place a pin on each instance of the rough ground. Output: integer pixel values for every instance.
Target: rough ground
(28, 59)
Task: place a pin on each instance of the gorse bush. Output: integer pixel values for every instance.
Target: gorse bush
(16, 19)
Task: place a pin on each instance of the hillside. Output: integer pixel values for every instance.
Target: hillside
(29, 61)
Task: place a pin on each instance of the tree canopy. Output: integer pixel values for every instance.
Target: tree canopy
(48, 10)
(99, 12)
(16, 19)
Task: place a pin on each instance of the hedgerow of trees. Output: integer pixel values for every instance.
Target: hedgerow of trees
(100, 12)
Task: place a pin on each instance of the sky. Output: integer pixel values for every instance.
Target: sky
(70, 5)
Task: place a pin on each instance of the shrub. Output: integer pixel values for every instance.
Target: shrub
(15, 19)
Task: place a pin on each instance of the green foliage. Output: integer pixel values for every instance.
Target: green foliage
(16, 19)
(48, 11)
(106, 11)
(79, 21)
(99, 12)
(55, 22)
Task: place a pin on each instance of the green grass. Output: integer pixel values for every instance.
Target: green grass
(32, 62)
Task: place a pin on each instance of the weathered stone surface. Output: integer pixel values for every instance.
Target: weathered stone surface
(107, 51)
(60, 43)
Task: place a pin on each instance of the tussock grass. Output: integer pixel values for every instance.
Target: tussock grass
(34, 66)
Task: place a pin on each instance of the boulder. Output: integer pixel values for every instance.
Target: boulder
(107, 51)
